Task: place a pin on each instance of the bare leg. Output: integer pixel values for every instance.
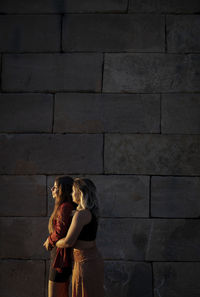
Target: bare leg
(58, 289)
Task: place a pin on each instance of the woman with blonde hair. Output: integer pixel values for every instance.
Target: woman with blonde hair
(88, 272)
(59, 222)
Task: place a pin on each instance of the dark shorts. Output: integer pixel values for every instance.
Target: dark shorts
(54, 275)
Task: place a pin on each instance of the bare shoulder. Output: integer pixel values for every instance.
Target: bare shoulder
(84, 216)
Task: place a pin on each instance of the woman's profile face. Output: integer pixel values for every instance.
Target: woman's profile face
(54, 190)
(76, 195)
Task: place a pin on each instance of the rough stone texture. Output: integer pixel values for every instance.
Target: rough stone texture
(122, 196)
(21, 278)
(152, 154)
(96, 113)
(151, 73)
(176, 279)
(175, 197)
(124, 279)
(183, 33)
(52, 72)
(173, 240)
(28, 244)
(23, 195)
(123, 239)
(26, 112)
(180, 113)
(150, 239)
(164, 6)
(29, 33)
(62, 6)
(113, 32)
(52, 154)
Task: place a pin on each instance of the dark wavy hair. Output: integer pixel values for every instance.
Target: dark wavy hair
(64, 184)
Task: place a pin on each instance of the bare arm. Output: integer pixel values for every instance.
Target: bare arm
(80, 219)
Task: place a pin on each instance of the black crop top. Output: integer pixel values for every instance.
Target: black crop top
(89, 231)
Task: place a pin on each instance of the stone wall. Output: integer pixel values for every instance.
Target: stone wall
(109, 90)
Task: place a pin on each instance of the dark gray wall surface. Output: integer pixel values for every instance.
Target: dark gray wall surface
(109, 90)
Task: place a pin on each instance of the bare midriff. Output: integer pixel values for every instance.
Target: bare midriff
(83, 244)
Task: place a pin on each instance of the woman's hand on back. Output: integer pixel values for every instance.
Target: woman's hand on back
(79, 219)
(47, 245)
(61, 243)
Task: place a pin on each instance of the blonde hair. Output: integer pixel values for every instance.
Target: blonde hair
(88, 199)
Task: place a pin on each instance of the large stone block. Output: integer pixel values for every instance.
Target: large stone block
(173, 240)
(95, 6)
(150, 239)
(180, 114)
(124, 32)
(152, 154)
(31, 33)
(181, 6)
(123, 239)
(51, 154)
(124, 279)
(122, 196)
(26, 112)
(176, 279)
(23, 195)
(61, 6)
(142, 72)
(23, 238)
(52, 72)
(22, 278)
(183, 33)
(175, 197)
(97, 113)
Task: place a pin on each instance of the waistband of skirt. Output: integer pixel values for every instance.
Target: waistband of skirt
(82, 255)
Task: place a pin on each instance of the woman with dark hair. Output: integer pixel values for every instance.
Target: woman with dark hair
(88, 272)
(59, 222)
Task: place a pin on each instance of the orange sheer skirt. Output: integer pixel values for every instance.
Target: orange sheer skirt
(88, 273)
